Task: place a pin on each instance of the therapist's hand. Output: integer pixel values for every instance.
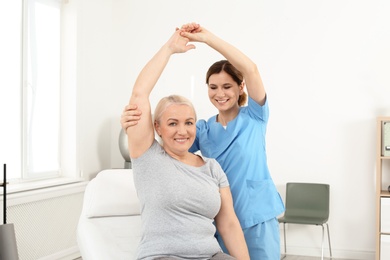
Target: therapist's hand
(130, 116)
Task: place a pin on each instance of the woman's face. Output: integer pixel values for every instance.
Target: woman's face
(224, 91)
(177, 128)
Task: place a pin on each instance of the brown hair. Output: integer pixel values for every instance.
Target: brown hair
(226, 66)
(169, 100)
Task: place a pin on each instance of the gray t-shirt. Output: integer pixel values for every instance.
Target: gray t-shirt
(178, 205)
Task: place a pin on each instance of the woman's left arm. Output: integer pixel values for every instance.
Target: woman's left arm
(229, 227)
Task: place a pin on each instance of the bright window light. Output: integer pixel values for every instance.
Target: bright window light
(37, 93)
(43, 89)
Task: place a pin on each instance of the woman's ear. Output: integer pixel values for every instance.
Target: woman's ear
(242, 87)
(157, 127)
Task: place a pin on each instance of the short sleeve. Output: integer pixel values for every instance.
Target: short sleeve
(257, 111)
(219, 174)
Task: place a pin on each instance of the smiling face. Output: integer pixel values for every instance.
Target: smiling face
(224, 91)
(177, 128)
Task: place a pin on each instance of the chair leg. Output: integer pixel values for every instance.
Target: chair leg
(330, 248)
(284, 235)
(322, 243)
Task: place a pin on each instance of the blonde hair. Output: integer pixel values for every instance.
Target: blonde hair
(169, 100)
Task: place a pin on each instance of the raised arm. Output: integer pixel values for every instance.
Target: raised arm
(141, 136)
(243, 63)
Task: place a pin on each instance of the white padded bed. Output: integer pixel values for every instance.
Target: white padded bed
(109, 227)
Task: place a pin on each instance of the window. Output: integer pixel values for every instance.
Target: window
(38, 98)
(42, 88)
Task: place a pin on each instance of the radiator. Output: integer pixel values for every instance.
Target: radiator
(45, 221)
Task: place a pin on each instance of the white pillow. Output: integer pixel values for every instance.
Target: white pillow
(111, 193)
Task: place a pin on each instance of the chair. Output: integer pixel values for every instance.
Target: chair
(307, 204)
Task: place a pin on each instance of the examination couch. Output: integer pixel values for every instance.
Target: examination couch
(110, 224)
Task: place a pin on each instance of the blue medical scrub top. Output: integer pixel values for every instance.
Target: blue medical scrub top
(240, 150)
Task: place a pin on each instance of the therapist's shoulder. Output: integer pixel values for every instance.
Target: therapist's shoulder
(201, 124)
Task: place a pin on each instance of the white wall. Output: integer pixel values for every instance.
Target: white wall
(325, 66)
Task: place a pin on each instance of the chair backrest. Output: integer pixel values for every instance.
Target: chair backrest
(307, 200)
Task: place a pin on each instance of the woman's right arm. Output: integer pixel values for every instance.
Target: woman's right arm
(141, 136)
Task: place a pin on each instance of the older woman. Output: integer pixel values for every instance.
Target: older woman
(181, 194)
